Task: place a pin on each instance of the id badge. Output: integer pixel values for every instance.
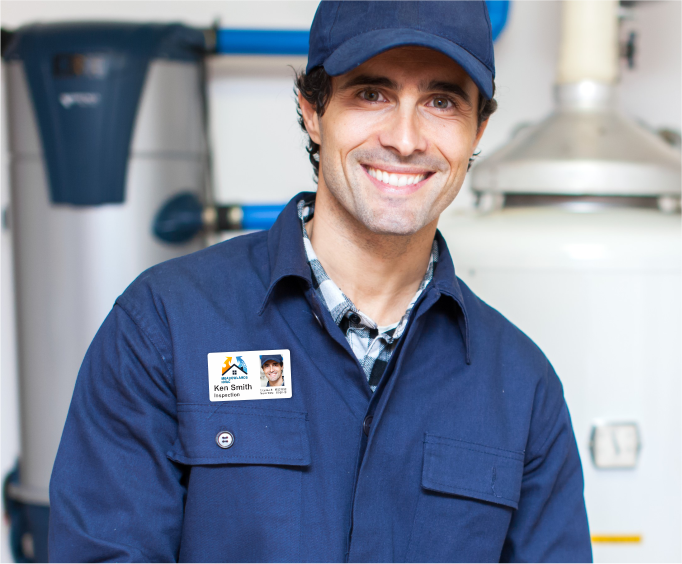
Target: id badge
(249, 375)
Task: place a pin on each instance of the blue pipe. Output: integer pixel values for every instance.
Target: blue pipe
(260, 216)
(498, 10)
(295, 42)
(262, 42)
(181, 218)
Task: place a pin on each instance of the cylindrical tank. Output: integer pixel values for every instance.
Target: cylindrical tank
(597, 287)
(106, 123)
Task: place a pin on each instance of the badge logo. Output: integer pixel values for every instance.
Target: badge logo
(236, 370)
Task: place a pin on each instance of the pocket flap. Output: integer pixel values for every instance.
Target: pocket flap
(260, 436)
(472, 470)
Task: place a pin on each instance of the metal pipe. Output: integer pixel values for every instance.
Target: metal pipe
(589, 42)
(183, 217)
(262, 42)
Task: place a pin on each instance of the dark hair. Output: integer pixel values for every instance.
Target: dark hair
(316, 88)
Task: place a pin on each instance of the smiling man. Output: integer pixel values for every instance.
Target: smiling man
(421, 425)
(399, 130)
(273, 368)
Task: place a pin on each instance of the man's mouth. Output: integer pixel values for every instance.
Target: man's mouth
(396, 179)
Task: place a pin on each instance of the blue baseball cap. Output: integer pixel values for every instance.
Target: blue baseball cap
(345, 34)
(276, 357)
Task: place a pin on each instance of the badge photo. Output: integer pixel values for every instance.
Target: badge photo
(249, 375)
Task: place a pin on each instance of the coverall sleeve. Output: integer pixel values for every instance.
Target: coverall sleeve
(114, 496)
(550, 524)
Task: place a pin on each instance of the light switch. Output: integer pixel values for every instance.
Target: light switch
(615, 445)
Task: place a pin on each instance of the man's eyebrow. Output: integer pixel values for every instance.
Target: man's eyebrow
(448, 87)
(368, 80)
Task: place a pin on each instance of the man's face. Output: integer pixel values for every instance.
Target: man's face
(273, 370)
(396, 138)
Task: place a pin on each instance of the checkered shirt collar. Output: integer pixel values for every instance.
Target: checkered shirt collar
(338, 304)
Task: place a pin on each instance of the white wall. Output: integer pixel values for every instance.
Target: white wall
(258, 148)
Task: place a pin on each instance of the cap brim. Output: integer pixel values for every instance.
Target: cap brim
(363, 47)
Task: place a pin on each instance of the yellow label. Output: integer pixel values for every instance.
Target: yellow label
(617, 538)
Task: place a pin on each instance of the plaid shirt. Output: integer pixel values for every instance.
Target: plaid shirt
(372, 345)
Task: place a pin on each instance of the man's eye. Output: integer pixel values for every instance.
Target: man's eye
(442, 103)
(371, 95)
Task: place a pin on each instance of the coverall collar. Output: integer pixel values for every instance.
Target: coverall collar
(287, 258)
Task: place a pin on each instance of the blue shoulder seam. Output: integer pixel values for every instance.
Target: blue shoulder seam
(145, 333)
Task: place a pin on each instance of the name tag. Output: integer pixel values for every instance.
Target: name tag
(249, 375)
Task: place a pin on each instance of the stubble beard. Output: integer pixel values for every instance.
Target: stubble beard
(379, 213)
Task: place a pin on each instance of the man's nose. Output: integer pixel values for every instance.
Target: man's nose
(402, 132)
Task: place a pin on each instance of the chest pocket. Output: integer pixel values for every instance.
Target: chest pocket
(251, 490)
(468, 494)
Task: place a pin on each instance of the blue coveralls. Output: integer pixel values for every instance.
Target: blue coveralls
(465, 452)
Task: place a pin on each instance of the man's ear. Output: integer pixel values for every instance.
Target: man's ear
(310, 119)
(480, 131)
(477, 139)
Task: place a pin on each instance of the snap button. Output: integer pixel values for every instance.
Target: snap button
(224, 439)
(366, 424)
(355, 318)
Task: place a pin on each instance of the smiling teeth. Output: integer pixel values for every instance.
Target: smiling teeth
(395, 179)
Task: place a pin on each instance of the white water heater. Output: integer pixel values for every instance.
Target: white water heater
(598, 289)
(106, 124)
(577, 241)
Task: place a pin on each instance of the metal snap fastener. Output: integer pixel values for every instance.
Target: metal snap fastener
(366, 424)
(224, 439)
(355, 318)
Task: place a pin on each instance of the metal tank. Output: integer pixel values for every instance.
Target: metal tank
(106, 123)
(576, 240)
(598, 289)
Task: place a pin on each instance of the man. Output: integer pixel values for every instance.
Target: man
(273, 368)
(422, 426)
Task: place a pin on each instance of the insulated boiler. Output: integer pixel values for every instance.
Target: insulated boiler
(577, 241)
(597, 287)
(106, 123)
